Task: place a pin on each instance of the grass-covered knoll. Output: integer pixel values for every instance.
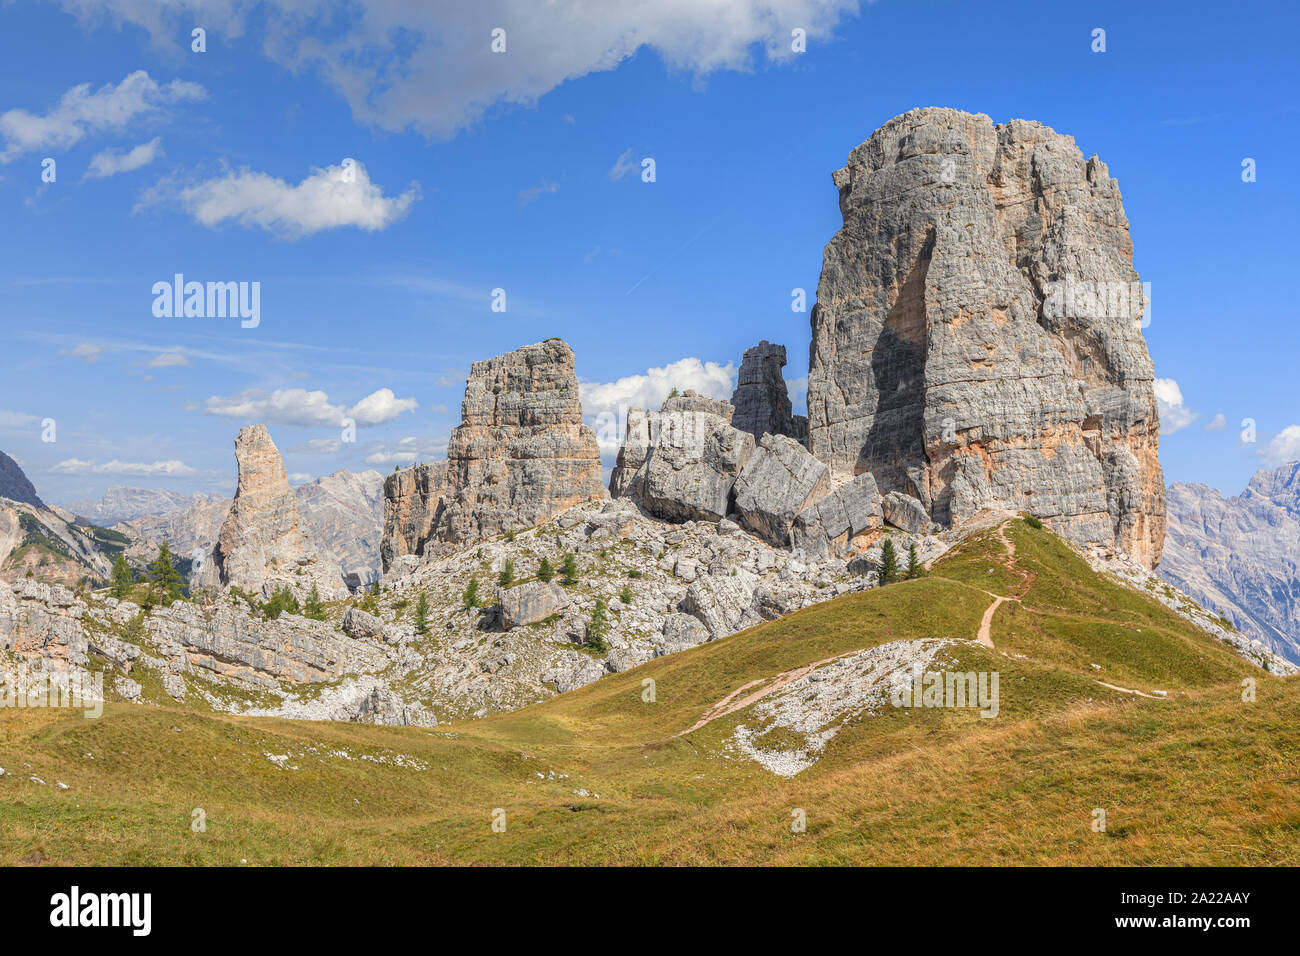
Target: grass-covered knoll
(1202, 777)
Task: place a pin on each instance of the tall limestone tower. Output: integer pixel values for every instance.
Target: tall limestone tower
(977, 336)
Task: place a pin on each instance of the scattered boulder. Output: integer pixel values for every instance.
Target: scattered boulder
(906, 513)
(531, 602)
(779, 481)
(361, 625)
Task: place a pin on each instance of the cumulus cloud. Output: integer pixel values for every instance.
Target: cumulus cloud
(1284, 447)
(329, 198)
(306, 409)
(110, 162)
(609, 401)
(430, 67)
(81, 112)
(138, 469)
(1174, 415)
(168, 360)
(1216, 424)
(91, 353)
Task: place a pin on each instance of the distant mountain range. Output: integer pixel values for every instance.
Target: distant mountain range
(1240, 557)
(343, 513)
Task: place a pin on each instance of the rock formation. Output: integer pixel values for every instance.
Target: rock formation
(15, 485)
(761, 399)
(520, 456)
(261, 545)
(1240, 556)
(976, 339)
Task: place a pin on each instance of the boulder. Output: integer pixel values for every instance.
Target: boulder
(361, 625)
(906, 513)
(531, 602)
(778, 482)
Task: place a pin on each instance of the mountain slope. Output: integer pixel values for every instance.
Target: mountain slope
(604, 775)
(1240, 556)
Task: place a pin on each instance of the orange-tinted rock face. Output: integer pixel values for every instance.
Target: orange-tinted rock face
(977, 339)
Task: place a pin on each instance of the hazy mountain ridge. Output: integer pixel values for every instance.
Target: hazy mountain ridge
(1240, 556)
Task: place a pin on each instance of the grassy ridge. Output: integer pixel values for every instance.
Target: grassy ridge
(1199, 778)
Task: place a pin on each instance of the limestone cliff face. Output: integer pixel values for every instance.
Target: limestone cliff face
(976, 338)
(261, 544)
(520, 456)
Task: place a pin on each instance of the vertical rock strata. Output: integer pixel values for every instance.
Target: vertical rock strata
(976, 338)
(520, 455)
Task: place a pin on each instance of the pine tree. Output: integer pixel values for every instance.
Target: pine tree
(544, 571)
(913, 562)
(507, 575)
(888, 563)
(314, 609)
(164, 576)
(122, 578)
(598, 627)
(422, 615)
(569, 572)
(471, 594)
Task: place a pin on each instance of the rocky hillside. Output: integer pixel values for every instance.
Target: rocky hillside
(15, 485)
(1240, 556)
(1104, 697)
(976, 339)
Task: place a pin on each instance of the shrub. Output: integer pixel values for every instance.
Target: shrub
(625, 595)
(507, 575)
(471, 594)
(569, 571)
(544, 571)
(313, 608)
(1033, 521)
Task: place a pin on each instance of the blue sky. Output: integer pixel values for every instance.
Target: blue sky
(522, 171)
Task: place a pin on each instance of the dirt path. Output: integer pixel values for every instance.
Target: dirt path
(986, 623)
(1129, 690)
(729, 704)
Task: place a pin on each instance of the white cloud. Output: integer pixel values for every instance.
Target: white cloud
(110, 162)
(1284, 447)
(408, 450)
(429, 66)
(381, 406)
(329, 198)
(139, 469)
(168, 360)
(91, 353)
(623, 165)
(650, 390)
(1174, 415)
(80, 112)
(10, 419)
(298, 406)
(1217, 423)
(797, 389)
(543, 189)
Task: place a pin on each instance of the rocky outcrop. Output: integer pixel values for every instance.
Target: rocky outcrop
(976, 339)
(262, 545)
(1240, 556)
(15, 485)
(520, 456)
(45, 545)
(761, 399)
(680, 465)
(692, 401)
